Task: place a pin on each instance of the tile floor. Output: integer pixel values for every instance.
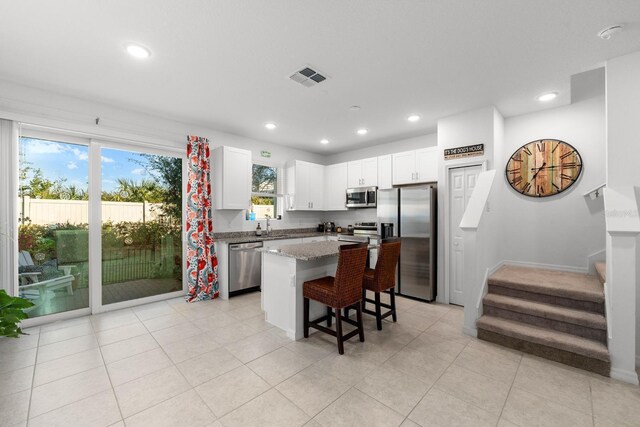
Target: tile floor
(217, 363)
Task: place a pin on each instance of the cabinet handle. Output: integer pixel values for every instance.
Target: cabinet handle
(413, 176)
(311, 205)
(417, 175)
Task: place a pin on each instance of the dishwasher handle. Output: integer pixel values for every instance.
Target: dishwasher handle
(245, 246)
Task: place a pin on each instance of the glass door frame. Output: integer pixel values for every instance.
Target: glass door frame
(95, 223)
(95, 146)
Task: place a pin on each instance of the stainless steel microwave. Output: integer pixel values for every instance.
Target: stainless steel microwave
(364, 197)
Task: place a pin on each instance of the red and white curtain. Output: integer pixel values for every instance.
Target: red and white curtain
(202, 263)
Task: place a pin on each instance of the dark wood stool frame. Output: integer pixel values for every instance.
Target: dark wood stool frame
(379, 305)
(339, 293)
(382, 279)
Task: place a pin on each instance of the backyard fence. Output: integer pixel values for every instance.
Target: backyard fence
(51, 211)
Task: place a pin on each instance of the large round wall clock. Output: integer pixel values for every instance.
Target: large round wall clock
(543, 168)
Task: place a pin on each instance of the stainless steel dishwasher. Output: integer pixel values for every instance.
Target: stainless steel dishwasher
(245, 267)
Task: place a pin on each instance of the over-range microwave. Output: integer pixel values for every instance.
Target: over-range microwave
(364, 197)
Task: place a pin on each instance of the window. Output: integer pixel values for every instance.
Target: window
(70, 262)
(265, 192)
(53, 232)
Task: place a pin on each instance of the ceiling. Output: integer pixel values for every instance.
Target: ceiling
(225, 64)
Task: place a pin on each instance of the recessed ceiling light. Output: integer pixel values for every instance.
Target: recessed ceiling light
(138, 51)
(413, 118)
(547, 96)
(606, 33)
(324, 141)
(270, 126)
(354, 108)
(362, 131)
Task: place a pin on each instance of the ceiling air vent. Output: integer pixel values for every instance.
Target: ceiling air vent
(308, 77)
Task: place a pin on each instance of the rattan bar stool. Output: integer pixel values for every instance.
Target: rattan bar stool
(381, 279)
(345, 290)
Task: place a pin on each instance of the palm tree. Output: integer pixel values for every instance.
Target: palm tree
(146, 190)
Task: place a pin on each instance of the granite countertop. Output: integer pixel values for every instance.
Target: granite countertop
(308, 251)
(251, 237)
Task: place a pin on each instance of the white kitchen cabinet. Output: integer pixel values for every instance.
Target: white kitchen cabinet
(335, 184)
(413, 167)
(232, 178)
(404, 167)
(427, 165)
(385, 178)
(305, 186)
(363, 173)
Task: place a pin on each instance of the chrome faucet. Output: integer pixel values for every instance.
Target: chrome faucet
(267, 217)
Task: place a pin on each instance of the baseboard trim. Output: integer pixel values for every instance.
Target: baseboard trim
(630, 377)
(471, 332)
(601, 255)
(557, 267)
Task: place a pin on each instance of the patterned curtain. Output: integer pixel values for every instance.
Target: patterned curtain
(202, 263)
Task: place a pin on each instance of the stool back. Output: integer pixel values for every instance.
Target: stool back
(352, 260)
(388, 255)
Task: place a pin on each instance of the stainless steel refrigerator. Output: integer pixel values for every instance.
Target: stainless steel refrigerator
(413, 213)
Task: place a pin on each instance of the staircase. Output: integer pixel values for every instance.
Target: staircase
(552, 314)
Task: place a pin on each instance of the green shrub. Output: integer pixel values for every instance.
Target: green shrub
(11, 314)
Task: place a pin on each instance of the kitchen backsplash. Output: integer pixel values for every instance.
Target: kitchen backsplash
(229, 221)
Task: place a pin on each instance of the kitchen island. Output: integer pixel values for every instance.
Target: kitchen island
(284, 270)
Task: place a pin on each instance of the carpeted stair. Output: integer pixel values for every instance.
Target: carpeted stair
(552, 314)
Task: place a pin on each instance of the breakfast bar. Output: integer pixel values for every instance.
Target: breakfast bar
(284, 270)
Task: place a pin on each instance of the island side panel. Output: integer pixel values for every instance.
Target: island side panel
(305, 271)
(278, 286)
(282, 284)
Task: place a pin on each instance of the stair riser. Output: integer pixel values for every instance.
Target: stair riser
(569, 328)
(548, 299)
(568, 358)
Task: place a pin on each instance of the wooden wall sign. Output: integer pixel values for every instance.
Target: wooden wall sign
(466, 151)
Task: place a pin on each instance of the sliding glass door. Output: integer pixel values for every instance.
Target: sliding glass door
(141, 207)
(53, 241)
(99, 226)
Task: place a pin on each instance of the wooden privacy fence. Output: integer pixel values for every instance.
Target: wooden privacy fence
(50, 211)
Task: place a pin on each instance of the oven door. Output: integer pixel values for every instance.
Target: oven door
(356, 198)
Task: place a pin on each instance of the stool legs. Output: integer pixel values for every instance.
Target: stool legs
(392, 300)
(339, 331)
(378, 312)
(329, 316)
(306, 317)
(360, 323)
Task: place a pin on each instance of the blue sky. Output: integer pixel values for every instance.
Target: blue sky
(70, 161)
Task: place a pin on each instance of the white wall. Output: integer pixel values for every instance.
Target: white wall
(472, 127)
(39, 107)
(561, 230)
(408, 144)
(623, 151)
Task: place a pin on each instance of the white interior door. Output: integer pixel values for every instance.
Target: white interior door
(462, 181)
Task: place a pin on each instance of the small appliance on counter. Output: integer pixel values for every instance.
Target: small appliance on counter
(320, 228)
(329, 227)
(350, 229)
(386, 230)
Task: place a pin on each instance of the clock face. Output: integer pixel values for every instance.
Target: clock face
(543, 168)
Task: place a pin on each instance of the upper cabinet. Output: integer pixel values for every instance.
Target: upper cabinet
(363, 173)
(335, 184)
(305, 186)
(232, 177)
(385, 176)
(412, 167)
